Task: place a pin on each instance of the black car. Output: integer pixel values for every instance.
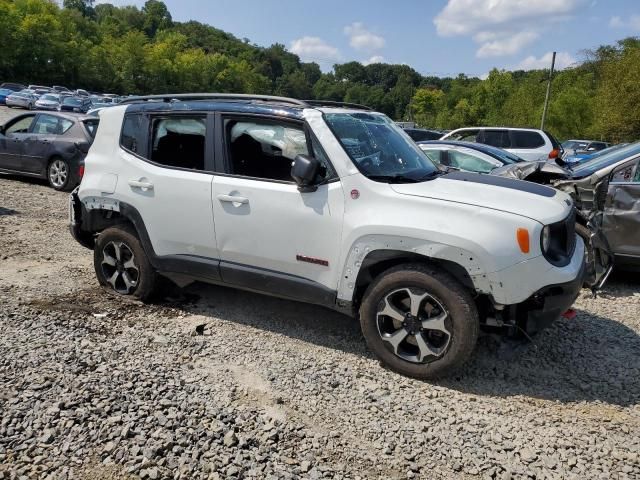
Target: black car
(421, 134)
(47, 145)
(75, 104)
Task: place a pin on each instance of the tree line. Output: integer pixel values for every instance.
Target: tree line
(130, 50)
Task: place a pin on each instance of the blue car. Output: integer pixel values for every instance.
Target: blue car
(4, 93)
(581, 157)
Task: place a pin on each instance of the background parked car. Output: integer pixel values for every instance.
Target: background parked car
(41, 88)
(4, 93)
(527, 143)
(60, 89)
(467, 156)
(75, 104)
(572, 147)
(22, 99)
(581, 157)
(48, 101)
(15, 87)
(47, 145)
(421, 134)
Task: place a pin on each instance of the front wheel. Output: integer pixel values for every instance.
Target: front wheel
(122, 266)
(419, 321)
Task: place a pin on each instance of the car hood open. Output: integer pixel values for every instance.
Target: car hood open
(538, 202)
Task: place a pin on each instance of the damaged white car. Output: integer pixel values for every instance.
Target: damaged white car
(330, 204)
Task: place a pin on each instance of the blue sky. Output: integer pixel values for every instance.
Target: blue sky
(438, 37)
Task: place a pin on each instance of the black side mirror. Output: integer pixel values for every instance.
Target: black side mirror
(304, 171)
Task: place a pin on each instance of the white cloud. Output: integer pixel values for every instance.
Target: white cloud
(563, 60)
(506, 44)
(501, 27)
(374, 59)
(362, 39)
(632, 24)
(314, 49)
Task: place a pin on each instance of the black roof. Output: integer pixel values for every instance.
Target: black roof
(241, 103)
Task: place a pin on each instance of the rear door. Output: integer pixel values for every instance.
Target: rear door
(621, 221)
(166, 176)
(11, 142)
(39, 143)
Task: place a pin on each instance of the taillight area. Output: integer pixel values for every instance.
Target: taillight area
(555, 153)
(81, 171)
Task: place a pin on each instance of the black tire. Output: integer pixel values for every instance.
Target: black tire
(460, 319)
(59, 174)
(146, 280)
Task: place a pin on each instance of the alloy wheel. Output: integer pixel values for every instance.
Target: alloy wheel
(119, 267)
(58, 173)
(414, 325)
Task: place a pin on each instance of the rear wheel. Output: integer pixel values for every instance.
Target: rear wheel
(58, 174)
(419, 321)
(122, 266)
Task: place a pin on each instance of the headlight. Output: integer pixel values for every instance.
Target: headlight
(546, 239)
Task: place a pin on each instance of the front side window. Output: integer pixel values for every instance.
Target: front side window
(179, 141)
(379, 148)
(264, 149)
(51, 125)
(20, 126)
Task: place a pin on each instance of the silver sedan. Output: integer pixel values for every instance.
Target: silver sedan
(22, 99)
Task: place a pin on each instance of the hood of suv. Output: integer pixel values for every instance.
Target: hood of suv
(538, 202)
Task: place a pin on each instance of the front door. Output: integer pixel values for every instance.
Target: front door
(271, 236)
(621, 220)
(11, 142)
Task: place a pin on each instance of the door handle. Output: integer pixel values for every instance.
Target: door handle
(141, 184)
(233, 199)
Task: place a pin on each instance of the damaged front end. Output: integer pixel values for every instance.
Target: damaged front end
(589, 219)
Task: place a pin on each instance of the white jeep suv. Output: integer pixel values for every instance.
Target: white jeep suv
(331, 204)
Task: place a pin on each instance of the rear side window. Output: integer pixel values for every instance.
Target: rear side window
(132, 135)
(51, 125)
(91, 126)
(179, 141)
(524, 139)
(496, 138)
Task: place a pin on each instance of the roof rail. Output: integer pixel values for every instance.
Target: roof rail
(331, 103)
(185, 97)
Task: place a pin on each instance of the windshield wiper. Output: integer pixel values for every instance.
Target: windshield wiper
(431, 175)
(394, 178)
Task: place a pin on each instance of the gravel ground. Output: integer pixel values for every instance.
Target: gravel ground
(218, 383)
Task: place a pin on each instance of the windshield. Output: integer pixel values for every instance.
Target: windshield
(71, 101)
(379, 148)
(53, 98)
(602, 161)
(574, 145)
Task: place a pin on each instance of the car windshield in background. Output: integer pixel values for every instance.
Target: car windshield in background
(605, 160)
(72, 101)
(379, 148)
(574, 145)
(52, 98)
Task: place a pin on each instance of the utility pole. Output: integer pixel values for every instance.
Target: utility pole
(546, 98)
